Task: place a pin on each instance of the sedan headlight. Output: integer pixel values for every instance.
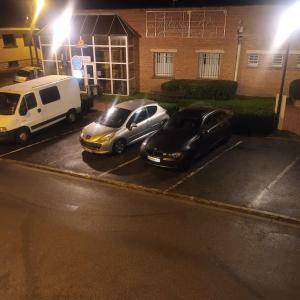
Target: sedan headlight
(3, 129)
(106, 138)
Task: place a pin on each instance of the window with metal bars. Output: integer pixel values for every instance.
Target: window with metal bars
(253, 60)
(298, 61)
(163, 64)
(277, 60)
(209, 65)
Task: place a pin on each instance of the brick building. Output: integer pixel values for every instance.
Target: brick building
(233, 43)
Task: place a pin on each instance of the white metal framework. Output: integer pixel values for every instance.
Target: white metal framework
(209, 65)
(163, 64)
(186, 23)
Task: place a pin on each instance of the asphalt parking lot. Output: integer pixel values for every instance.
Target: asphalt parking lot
(255, 172)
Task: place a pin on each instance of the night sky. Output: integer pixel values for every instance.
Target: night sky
(22, 8)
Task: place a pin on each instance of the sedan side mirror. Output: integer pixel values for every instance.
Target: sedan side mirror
(132, 125)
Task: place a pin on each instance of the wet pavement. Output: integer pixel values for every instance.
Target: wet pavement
(69, 238)
(255, 172)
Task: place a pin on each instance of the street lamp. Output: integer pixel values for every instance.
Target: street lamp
(39, 4)
(288, 24)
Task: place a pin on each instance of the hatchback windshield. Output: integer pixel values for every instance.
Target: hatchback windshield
(8, 103)
(114, 117)
(23, 73)
(183, 122)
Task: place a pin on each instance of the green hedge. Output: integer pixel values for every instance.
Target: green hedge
(253, 124)
(202, 89)
(295, 89)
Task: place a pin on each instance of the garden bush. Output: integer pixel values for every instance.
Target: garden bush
(202, 89)
(295, 89)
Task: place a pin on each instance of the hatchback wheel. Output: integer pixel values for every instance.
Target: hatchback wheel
(119, 147)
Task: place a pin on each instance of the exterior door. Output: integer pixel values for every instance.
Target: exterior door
(140, 118)
(90, 74)
(31, 114)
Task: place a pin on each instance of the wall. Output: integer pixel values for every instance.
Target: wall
(259, 23)
(20, 53)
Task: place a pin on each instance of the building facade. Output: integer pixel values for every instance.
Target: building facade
(230, 43)
(16, 49)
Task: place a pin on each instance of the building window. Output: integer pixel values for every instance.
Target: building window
(253, 60)
(13, 64)
(277, 60)
(298, 61)
(164, 66)
(209, 65)
(27, 40)
(9, 41)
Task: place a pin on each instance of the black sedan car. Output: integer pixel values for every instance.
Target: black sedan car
(187, 135)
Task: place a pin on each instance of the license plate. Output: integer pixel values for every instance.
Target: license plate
(155, 159)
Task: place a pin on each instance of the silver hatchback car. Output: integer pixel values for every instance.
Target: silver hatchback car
(122, 125)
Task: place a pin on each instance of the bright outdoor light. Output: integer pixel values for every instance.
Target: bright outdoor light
(62, 27)
(38, 8)
(288, 24)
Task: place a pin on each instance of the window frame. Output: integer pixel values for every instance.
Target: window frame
(165, 56)
(203, 56)
(250, 62)
(277, 65)
(9, 45)
(52, 99)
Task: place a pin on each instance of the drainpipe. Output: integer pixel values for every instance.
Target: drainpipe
(238, 52)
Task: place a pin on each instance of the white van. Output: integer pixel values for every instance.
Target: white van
(33, 105)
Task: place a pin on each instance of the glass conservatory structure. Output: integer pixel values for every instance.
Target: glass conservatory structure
(101, 51)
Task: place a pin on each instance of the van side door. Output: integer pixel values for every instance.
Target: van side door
(52, 105)
(30, 112)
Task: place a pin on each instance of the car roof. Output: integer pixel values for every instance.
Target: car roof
(29, 68)
(195, 112)
(29, 85)
(134, 104)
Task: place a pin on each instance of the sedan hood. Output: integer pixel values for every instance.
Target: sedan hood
(169, 141)
(96, 130)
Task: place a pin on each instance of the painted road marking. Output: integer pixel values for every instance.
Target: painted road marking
(120, 166)
(41, 142)
(200, 168)
(257, 201)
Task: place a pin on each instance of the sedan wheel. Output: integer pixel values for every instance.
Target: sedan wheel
(119, 147)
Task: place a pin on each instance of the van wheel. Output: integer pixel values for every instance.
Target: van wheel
(119, 147)
(71, 116)
(22, 135)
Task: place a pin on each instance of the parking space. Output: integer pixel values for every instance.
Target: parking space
(255, 172)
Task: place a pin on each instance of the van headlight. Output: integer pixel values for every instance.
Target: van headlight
(3, 129)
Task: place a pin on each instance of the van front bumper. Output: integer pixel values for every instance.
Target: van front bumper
(8, 136)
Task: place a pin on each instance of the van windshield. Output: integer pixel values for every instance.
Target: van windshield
(8, 103)
(23, 73)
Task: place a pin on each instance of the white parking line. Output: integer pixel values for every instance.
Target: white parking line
(119, 166)
(257, 201)
(200, 168)
(41, 142)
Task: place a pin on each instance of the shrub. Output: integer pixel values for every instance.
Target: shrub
(295, 89)
(202, 89)
(253, 123)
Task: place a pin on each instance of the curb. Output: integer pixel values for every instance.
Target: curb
(210, 203)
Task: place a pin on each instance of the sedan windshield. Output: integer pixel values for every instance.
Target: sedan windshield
(183, 122)
(114, 117)
(8, 103)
